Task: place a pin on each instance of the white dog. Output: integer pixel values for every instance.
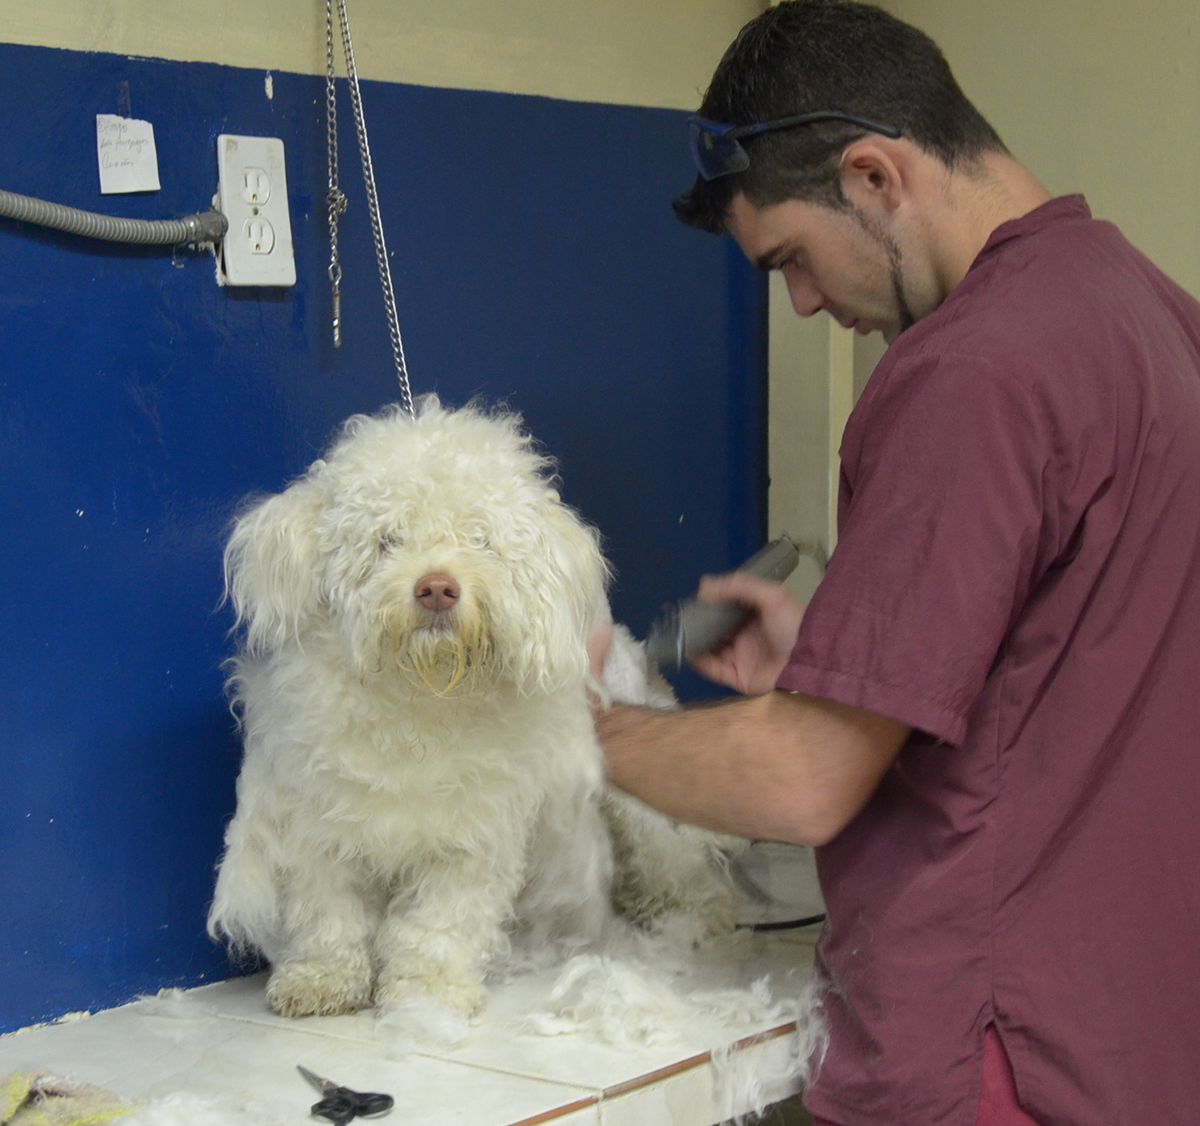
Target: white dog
(421, 771)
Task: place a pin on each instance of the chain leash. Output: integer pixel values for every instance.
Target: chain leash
(336, 200)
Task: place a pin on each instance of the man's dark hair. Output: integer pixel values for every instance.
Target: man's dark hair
(806, 55)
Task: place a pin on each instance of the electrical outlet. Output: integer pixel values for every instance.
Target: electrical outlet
(257, 248)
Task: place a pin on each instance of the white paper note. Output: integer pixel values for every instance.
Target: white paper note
(125, 149)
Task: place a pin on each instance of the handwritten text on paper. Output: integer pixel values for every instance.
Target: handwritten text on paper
(125, 150)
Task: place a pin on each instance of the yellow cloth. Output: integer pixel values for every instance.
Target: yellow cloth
(34, 1098)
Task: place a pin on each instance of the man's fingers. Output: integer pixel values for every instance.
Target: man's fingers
(718, 668)
(737, 586)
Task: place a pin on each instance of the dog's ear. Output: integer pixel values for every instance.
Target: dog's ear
(571, 585)
(273, 567)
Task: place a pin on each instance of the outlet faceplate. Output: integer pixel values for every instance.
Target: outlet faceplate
(257, 248)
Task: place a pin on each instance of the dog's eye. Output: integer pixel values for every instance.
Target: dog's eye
(393, 540)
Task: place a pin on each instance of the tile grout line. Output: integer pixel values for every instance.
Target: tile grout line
(491, 1068)
(601, 1093)
(652, 1077)
(696, 1061)
(559, 1111)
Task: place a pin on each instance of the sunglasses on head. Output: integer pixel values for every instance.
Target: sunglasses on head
(717, 147)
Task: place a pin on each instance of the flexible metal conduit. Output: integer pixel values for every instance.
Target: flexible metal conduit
(206, 227)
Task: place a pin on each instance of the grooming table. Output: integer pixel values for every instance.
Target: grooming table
(221, 1041)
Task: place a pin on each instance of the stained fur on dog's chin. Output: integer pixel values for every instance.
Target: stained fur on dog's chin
(440, 651)
(421, 772)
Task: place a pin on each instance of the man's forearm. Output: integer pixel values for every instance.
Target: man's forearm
(774, 767)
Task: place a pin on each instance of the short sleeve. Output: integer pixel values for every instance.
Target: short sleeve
(944, 525)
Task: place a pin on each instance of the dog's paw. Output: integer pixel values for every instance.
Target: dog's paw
(307, 989)
(458, 994)
(718, 914)
(708, 906)
(411, 1019)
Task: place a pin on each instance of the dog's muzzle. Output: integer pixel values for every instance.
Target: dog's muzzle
(439, 636)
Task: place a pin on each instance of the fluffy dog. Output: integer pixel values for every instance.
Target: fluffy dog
(421, 772)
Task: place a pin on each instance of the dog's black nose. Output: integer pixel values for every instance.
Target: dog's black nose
(437, 592)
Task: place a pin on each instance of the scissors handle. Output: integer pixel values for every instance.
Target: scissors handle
(370, 1105)
(341, 1105)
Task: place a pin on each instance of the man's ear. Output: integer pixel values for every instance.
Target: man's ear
(874, 172)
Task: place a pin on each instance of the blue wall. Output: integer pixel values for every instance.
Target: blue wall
(535, 261)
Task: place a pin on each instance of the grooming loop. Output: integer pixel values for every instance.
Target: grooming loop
(336, 200)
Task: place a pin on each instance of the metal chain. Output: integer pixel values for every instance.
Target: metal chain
(335, 198)
(364, 148)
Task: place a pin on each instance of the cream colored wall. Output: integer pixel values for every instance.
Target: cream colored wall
(628, 52)
(806, 368)
(1098, 96)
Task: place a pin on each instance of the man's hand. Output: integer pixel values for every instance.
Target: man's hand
(750, 662)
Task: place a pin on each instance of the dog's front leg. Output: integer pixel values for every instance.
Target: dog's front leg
(324, 966)
(440, 941)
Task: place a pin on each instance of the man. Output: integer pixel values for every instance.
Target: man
(987, 718)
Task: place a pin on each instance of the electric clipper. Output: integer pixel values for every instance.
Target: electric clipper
(689, 627)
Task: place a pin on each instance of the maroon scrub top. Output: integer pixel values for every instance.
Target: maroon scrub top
(1018, 578)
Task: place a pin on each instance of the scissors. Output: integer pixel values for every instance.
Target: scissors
(340, 1104)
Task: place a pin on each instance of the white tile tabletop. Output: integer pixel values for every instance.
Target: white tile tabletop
(222, 1042)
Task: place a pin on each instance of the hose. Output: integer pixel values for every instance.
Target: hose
(206, 227)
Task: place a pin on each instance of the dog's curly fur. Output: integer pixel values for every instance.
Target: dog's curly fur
(421, 772)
